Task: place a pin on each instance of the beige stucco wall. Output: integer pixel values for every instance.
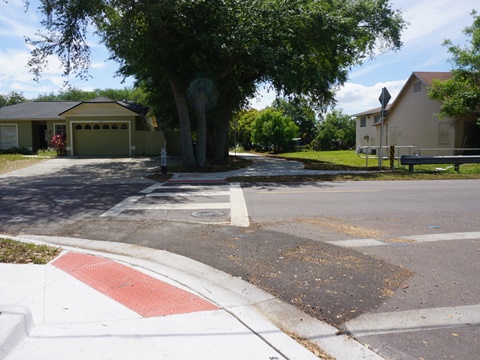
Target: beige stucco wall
(366, 136)
(412, 121)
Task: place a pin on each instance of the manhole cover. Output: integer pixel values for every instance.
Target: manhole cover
(203, 214)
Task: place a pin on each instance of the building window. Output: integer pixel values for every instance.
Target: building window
(363, 121)
(88, 127)
(8, 136)
(417, 87)
(376, 119)
(96, 127)
(61, 129)
(78, 127)
(105, 127)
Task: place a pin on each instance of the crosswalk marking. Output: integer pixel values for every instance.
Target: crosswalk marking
(192, 206)
(122, 206)
(236, 202)
(190, 194)
(238, 213)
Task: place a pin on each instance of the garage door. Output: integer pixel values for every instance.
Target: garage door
(101, 139)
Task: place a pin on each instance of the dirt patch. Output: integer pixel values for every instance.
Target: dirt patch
(7, 166)
(352, 230)
(314, 348)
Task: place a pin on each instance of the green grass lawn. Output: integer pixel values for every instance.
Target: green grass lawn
(349, 160)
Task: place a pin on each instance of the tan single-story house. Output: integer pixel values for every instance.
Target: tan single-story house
(412, 120)
(98, 127)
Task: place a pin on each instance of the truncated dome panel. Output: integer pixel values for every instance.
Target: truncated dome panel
(139, 292)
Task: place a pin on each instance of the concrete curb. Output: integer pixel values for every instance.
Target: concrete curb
(15, 324)
(260, 311)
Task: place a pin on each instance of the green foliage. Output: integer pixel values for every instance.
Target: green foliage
(272, 129)
(460, 95)
(301, 47)
(59, 143)
(73, 94)
(16, 151)
(301, 113)
(245, 121)
(11, 98)
(336, 132)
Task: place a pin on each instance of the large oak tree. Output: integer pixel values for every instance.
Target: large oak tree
(208, 56)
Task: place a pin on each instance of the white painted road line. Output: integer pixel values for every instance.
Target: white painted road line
(357, 242)
(414, 320)
(236, 203)
(444, 237)
(192, 206)
(152, 188)
(122, 206)
(238, 212)
(475, 235)
(191, 194)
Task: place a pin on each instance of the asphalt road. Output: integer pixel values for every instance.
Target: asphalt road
(348, 253)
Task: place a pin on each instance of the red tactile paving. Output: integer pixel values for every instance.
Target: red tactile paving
(139, 292)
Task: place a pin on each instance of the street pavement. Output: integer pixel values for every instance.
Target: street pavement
(392, 329)
(105, 300)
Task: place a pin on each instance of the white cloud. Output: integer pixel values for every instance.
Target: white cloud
(354, 98)
(264, 98)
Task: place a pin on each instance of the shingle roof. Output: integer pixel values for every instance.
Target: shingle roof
(36, 110)
(52, 110)
(427, 77)
(372, 111)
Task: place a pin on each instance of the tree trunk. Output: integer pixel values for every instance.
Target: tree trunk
(201, 131)
(221, 143)
(188, 158)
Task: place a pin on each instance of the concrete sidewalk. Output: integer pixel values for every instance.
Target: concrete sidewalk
(263, 166)
(104, 300)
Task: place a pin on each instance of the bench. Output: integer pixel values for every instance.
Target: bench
(453, 159)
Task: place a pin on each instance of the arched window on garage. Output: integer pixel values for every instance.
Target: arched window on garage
(78, 127)
(96, 127)
(105, 127)
(124, 126)
(88, 127)
(114, 127)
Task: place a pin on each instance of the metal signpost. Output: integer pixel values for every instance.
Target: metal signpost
(384, 99)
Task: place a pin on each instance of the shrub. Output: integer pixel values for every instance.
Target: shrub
(16, 150)
(59, 144)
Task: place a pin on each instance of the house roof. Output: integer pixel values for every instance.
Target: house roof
(36, 110)
(52, 110)
(424, 76)
(371, 111)
(428, 77)
(136, 108)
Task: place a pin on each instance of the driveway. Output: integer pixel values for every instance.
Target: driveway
(68, 170)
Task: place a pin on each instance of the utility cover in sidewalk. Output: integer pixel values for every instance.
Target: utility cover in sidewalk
(204, 214)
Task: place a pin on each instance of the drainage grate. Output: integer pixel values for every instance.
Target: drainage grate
(205, 214)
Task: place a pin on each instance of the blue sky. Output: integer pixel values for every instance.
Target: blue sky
(430, 22)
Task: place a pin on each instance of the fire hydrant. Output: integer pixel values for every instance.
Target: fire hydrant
(163, 161)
